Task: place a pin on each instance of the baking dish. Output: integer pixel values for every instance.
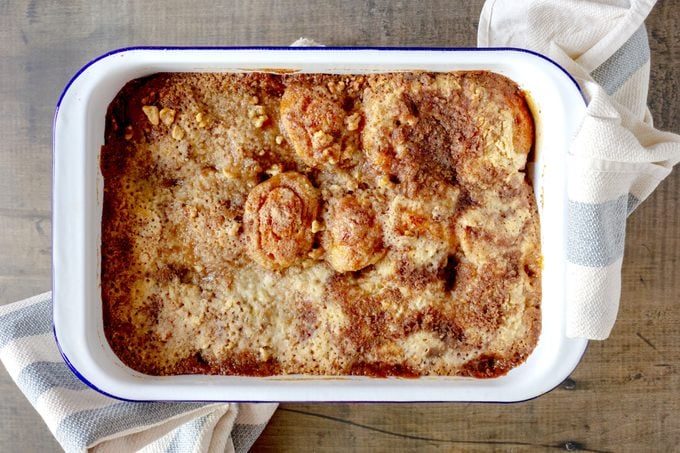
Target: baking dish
(557, 105)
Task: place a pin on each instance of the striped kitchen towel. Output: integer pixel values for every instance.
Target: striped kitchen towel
(81, 418)
(617, 158)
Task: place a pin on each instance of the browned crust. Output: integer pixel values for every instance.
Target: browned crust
(380, 172)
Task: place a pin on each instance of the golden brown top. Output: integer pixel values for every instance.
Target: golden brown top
(321, 224)
(354, 237)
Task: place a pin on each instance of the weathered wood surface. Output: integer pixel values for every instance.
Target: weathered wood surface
(623, 396)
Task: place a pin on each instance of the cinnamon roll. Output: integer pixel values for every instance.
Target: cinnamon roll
(278, 218)
(322, 120)
(353, 238)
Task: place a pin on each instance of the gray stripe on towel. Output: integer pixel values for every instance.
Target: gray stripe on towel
(633, 203)
(596, 231)
(244, 436)
(186, 435)
(81, 429)
(623, 63)
(28, 321)
(38, 377)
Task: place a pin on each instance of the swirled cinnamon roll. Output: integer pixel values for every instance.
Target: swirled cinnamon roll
(278, 219)
(322, 120)
(353, 238)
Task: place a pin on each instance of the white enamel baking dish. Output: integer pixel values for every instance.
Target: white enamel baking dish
(77, 206)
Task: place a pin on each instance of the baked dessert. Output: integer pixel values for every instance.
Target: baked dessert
(264, 224)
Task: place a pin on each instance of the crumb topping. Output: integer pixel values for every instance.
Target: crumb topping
(381, 225)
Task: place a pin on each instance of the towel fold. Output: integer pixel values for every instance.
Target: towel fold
(81, 418)
(617, 158)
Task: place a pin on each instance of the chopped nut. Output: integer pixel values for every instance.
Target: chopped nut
(177, 132)
(279, 139)
(257, 110)
(352, 121)
(274, 170)
(228, 173)
(199, 268)
(128, 133)
(167, 116)
(320, 139)
(203, 120)
(317, 226)
(264, 354)
(151, 112)
(260, 120)
(335, 88)
(383, 181)
(254, 100)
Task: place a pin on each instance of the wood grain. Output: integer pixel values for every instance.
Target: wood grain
(622, 397)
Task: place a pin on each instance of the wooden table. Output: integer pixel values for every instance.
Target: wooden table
(623, 396)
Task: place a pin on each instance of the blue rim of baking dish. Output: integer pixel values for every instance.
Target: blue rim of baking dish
(306, 49)
(287, 49)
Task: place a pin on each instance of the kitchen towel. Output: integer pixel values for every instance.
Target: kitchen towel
(83, 419)
(617, 157)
